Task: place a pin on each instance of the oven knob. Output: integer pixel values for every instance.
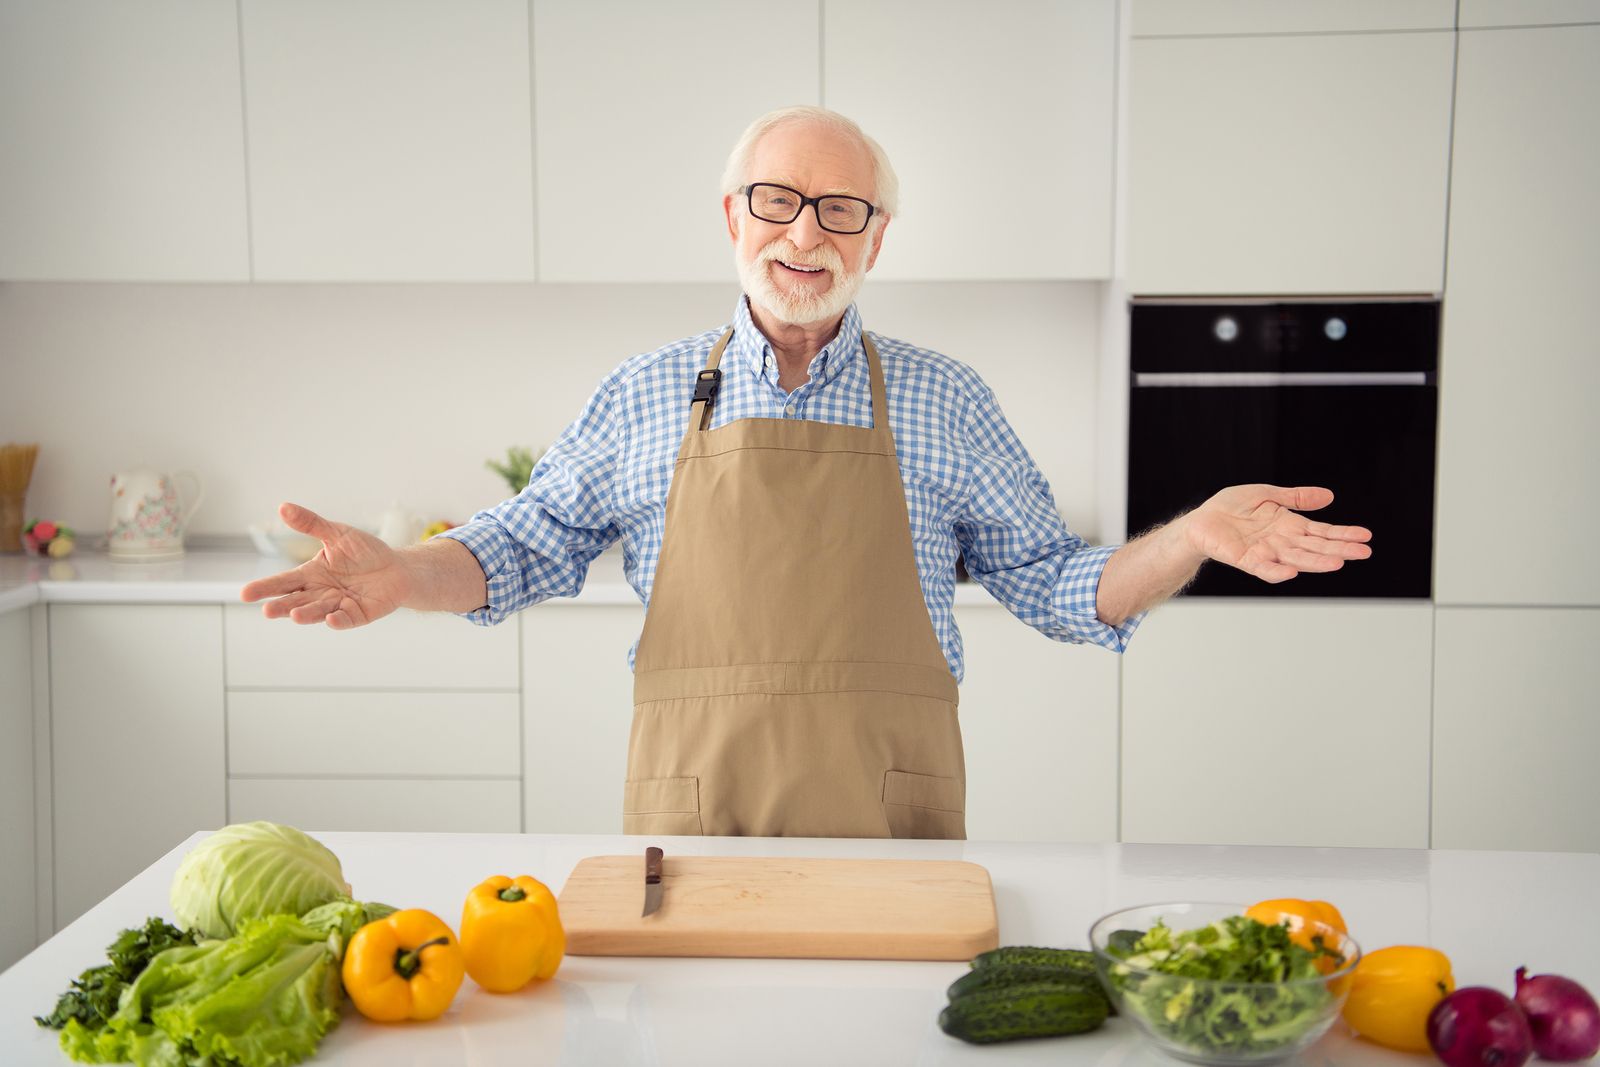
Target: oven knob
(1335, 329)
(1226, 329)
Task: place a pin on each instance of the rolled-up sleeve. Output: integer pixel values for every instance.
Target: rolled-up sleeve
(539, 544)
(1015, 543)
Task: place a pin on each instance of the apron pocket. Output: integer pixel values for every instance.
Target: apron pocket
(661, 806)
(924, 805)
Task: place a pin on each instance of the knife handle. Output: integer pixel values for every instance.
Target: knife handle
(652, 865)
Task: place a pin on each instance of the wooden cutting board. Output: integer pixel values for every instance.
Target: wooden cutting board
(790, 908)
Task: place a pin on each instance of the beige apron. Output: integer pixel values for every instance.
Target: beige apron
(788, 681)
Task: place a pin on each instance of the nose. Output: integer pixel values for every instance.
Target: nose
(805, 232)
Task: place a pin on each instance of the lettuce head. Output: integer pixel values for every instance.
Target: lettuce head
(250, 871)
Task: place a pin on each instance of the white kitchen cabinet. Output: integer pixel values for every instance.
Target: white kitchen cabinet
(122, 137)
(637, 106)
(1295, 164)
(136, 740)
(1039, 724)
(411, 805)
(1278, 723)
(1000, 129)
(1518, 440)
(1200, 17)
(405, 650)
(1477, 14)
(1515, 729)
(389, 142)
(577, 708)
(17, 862)
(416, 721)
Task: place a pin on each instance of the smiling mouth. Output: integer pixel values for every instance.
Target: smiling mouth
(799, 269)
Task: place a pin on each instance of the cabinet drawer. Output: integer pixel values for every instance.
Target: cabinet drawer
(408, 649)
(433, 734)
(414, 805)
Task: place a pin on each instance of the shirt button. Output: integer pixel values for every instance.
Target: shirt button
(789, 410)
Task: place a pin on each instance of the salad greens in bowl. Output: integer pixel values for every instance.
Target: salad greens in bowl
(1209, 985)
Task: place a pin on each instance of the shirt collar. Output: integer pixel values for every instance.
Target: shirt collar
(749, 346)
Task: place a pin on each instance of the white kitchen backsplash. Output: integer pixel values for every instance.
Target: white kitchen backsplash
(349, 398)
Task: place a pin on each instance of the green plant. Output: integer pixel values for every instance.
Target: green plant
(517, 468)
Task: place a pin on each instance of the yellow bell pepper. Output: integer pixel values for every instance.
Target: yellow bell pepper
(1309, 920)
(1392, 990)
(406, 966)
(511, 933)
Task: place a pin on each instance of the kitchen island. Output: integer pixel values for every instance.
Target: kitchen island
(1489, 911)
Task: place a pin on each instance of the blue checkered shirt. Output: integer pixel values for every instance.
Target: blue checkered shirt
(970, 485)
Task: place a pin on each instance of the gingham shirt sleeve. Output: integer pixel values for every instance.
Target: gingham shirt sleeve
(539, 544)
(1015, 543)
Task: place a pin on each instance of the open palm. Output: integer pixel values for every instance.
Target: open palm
(355, 579)
(1255, 528)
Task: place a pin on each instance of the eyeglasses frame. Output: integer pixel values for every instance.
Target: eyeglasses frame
(813, 202)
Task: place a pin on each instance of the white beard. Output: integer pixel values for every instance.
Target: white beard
(801, 308)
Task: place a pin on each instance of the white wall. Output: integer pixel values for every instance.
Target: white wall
(350, 397)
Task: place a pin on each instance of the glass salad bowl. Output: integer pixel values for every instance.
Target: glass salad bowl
(1196, 988)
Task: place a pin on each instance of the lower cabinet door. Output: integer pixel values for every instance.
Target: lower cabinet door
(1278, 723)
(416, 805)
(136, 741)
(1516, 729)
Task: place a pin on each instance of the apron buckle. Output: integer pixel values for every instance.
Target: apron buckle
(706, 384)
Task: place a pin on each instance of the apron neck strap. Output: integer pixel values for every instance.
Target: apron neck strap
(700, 408)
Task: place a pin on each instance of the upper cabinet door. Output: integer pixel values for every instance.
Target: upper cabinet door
(1289, 164)
(999, 120)
(1164, 17)
(638, 105)
(1518, 438)
(1481, 13)
(121, 142)
(389, 141)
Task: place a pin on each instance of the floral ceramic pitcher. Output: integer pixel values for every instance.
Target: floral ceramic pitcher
(148, 516)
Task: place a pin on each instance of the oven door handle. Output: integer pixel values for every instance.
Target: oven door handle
(1260, 379)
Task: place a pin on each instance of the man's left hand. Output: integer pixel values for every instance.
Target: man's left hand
(1255, 528)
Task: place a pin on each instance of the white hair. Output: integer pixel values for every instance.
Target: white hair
(887, 187)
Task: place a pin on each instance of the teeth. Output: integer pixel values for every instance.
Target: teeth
(806, 270)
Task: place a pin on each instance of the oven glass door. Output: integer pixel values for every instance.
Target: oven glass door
(1372, 445)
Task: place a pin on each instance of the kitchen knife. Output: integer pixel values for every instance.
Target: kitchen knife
(652, 880)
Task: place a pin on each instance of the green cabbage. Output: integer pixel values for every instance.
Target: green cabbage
(252, 870)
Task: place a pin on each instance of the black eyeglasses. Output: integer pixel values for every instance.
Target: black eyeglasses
(781, 204)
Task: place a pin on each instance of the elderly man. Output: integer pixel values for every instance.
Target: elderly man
(792, 493)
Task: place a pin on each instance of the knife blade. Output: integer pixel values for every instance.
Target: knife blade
(652, 880)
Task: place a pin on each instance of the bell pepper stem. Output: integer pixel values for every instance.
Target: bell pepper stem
(512, 894)
(408, 962)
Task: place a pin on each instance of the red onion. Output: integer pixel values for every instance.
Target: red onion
(1479, 1027)
(1564, 1018)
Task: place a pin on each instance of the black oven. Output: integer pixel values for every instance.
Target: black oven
(1338, 393)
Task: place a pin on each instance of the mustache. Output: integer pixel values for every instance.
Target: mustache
(785, 250)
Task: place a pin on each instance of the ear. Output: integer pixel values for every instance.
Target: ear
(877, 242)
(730, 208)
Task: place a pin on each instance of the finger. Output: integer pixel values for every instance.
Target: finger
(315, 611)
(1341, 549)
(1338, 533)
(307, 521)
(276, 585)
(282, 606)
(1300, 498)
(1315, 562)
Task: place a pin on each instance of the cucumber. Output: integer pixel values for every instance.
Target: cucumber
(1001, 977)
(1032, 1009)
(1069, 959)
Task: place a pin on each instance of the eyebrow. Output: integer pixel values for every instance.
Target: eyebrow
(837, 190)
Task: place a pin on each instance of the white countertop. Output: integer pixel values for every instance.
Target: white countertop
(1490, 912)
(215, 577)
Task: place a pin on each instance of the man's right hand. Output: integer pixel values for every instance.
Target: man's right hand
(354, 580)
